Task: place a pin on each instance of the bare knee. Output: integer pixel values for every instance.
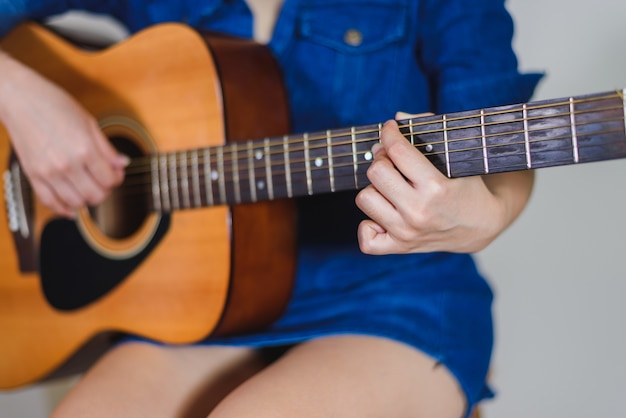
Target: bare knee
(348, 376)
(141, 379)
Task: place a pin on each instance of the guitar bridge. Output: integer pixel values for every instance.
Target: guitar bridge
(18, 204)
(14, 200)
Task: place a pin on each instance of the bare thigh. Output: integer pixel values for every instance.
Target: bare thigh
(145, 380)
(348, 376)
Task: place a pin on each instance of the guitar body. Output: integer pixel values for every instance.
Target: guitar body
(180, 276)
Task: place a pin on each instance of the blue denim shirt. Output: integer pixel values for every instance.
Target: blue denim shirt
(350, 62)
(410, 55)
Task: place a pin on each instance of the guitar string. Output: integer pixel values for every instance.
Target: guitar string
(297, 139)
(279, 175)
(279, 179)
(280, 182)
(140, 164)
(137, 162)
(201, 179)
(243, 159)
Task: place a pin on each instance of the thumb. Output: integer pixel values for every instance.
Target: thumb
(369, 233)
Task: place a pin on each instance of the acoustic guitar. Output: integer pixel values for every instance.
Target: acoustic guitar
(199, 239)
(169, 256)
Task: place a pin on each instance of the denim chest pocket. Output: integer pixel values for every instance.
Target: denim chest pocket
(349, 53)
(354, 27)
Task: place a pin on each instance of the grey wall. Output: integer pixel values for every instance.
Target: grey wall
(558, 272)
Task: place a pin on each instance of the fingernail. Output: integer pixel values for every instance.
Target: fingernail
(124, 160)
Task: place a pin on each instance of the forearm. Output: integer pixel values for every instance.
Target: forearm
(19, 86)
(5, 84)
(513, 190)
(13, 73)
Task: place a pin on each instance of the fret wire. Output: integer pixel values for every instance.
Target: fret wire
(307, 164)
(470, 138)
(164, 182)
(470, 126)
(355, 154)
(221, 175)
(515, 132)
(484, 140)
(515, 143)
(487, 114)
(329, 151)
(195, 179)
(496, 123)
(445, 145)
(268, 169)
(471, 148)
(156, 190)
(287, 166)
(475, 148)
(411, 131)
(449, 119)
(520, 143)
(235, 166)
(208, 181)
(526, 139)
(184, 180)
(621, 131)
(251, 175)
(573, 127)
(533, 118)
(174, 181)
(449, 129)
(355, 161)
(533, 107)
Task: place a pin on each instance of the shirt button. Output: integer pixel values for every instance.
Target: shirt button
(353, 37)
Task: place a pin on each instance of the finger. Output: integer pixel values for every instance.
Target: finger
(368, 234)
(53, 200)
(98, 177)
(383, 173)
(374, 240)
(404, 115)
(405, 157)
(376, 207)
(110, 168)
(108, 151)
(86, 181)
(75, 177)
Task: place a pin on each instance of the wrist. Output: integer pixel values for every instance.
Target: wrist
(12, 72)
(5, 84)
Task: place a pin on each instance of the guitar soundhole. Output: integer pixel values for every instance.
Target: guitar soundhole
(126, 208)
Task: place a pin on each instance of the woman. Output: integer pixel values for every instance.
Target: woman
(405, 334)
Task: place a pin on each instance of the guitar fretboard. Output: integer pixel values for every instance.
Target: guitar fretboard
(493, 140)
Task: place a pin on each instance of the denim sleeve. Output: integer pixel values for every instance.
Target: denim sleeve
(13, 12)
(467, 54)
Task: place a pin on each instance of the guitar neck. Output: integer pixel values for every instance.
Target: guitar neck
(493, 140)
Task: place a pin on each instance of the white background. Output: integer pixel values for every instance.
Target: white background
(559, 271)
